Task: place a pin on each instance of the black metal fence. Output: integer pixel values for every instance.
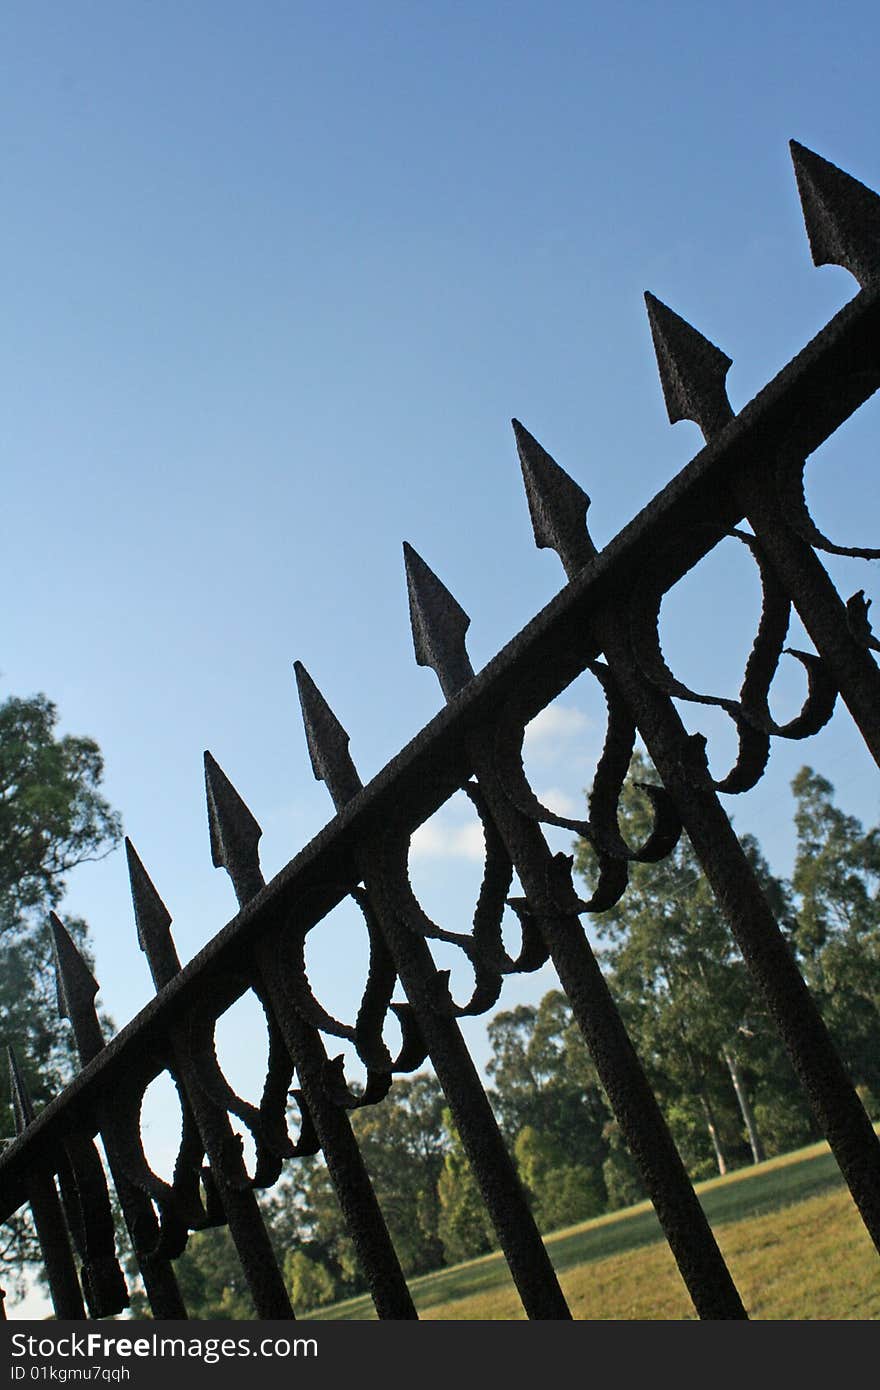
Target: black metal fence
(605, 621)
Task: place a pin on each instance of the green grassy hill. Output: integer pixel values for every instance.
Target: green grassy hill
(787, 1228)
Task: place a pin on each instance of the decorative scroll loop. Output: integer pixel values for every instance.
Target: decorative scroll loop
(601, 829)
(366, 1033)
(266, 1122)
(750, 713)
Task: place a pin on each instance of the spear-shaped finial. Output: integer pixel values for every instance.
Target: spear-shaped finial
(235, 834)
(22, 1106)
(842, 216)
(76, 988)
(692, 370)
(327, 741)
(557, 504)
(153, 921)
(438, 624)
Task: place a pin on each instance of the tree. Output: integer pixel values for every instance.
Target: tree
(464, 1225)
(551, 1108)
(52, 818)
(304, 1217)
(309, 1283)
(404, 1144)
(837, 882)
(562, 1191)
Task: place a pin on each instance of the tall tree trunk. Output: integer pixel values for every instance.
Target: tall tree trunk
(706, 1105)
(713, 1133)
(745, 1106)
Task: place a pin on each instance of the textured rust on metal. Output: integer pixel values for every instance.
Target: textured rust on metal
(842, 216)
(808, 400)
(692, 373)
(51, 1228)
(235, 837)
(222, 1145)
(152, 1243)
(549, 891)
(750, 468)
(438, 635)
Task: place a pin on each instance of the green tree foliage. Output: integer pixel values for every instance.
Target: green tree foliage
(562, 1191)
(211, 1279)
(311, 1245)
(623, 1182)
(836, 879)
(551, 1108)
(309, 1283)
(208, 1273)
(52, 818)
(403, 1143)
(464, 1227)
(304, 1216)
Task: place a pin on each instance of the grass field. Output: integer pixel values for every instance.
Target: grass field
(788, 1229)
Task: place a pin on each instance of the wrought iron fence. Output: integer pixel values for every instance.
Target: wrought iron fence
(604, 621)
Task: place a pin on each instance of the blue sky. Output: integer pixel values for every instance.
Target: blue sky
(274, 280)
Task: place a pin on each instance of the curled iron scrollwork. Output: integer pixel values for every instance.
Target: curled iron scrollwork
(179, 1203)
(266, 1122)
(790, 490)
(750, 712)
(366, 1033)
(601, 828)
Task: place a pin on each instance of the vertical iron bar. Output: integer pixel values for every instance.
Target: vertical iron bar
(235, 837)
(45, 1205)
(439, 627)
(530, 1265)
(692, 374)
(525, 1252)
(76, 992)
(681, 765)
(246, 1225)
(632, 1100)
(354, 1190)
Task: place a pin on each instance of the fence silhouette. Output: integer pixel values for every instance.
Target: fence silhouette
(605, 621)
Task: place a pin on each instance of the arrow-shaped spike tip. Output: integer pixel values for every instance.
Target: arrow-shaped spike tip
(22, 1107)
(230, 822)
(234, 832)
(327, 741)
(152, 918)
(841, 215)
(76, 986)
(438, 623)
(692, 370)
(557, 504)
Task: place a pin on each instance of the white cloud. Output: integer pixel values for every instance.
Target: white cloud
(437, 839)
(556, 722)
(557, 735)
(561, 803)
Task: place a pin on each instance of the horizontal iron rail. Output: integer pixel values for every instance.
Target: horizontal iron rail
(797, 411)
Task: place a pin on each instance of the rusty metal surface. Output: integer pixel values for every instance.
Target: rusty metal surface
(751, 469)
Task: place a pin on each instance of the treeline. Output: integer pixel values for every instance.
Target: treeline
(53, 817)
(711, 1053)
